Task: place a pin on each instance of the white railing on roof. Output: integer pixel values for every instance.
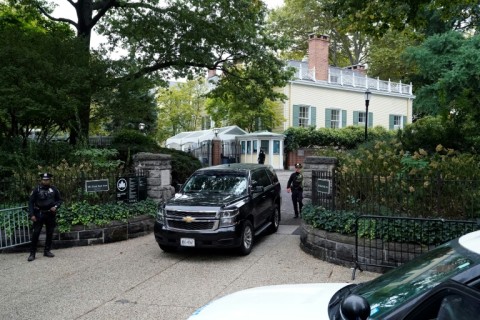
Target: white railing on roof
(346, 77)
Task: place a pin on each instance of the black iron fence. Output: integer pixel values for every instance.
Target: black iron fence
(97, 188)
(14, 227)
(387, 242)
(397, 196)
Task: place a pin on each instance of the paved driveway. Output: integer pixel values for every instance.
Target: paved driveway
(134, 279)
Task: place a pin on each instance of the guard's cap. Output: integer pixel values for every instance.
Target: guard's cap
(298, 165)
(46, 176)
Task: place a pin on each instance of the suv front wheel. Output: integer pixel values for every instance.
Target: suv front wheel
(275, 220)
(247, 238)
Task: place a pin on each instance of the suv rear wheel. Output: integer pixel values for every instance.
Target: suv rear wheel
(247, 238)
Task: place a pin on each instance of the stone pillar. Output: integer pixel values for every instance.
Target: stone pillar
(216, 151)
(315, 163)
(158, 171)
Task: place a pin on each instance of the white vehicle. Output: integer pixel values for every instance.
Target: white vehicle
(441, 284)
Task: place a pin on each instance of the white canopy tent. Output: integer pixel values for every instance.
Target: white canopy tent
(191, 140)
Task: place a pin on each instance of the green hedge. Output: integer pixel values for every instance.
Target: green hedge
(82, 213)
(425, 232)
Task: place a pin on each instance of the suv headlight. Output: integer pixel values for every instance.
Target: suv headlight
(228, 217)
(161, 214)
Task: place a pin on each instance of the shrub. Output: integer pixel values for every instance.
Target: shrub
(183, 165)
(83, 213)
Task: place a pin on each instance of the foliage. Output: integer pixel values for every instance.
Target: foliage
(246, 98)
(386, 55)
(428, 132)
(168, 39)
(344, 138)
(425, 232)
(331, 221)
(129, 142)
(41, 76)
(425, 16)
(82, 213)
(448, 71)
(383, 178)
(180, 108)
(117, 105)
(296, 19)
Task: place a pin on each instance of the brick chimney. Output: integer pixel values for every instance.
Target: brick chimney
(318, 55)
(359, 68)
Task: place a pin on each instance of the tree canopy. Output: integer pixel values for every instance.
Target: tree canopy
(166, 39)
(40, 78)
(296, 19)
(447, 76)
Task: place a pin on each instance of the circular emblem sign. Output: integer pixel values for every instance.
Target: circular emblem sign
(121, 184)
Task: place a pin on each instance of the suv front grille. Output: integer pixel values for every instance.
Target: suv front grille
(198, 214)
(193, 226)
(192, 220)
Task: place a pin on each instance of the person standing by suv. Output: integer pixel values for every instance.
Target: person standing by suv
(295, 186)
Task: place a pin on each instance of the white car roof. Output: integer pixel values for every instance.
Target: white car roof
(471, 241)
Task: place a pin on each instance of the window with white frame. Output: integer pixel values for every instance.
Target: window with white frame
(303, 116)
(397, 122)
(361, 117)
(335, 119)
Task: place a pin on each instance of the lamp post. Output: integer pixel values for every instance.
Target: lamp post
(367, 102)
(215, 131)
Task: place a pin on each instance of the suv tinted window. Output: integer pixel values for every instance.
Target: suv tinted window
(219, 182)
(260, 178)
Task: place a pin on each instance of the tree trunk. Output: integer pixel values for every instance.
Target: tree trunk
(79, 128)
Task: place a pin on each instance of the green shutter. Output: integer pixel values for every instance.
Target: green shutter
(355, 118)
(313, 115)
(390, 121)
(296, 114)
(328, 118)
(370, 119)
(404, 121)
(344, 118)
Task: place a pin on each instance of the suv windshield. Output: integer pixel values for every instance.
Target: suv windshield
(412, 279)
(217, 182)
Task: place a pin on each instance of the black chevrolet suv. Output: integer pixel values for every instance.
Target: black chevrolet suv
(221, 206)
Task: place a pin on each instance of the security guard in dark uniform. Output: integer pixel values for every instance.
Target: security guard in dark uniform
(295, 186)
(43, 204)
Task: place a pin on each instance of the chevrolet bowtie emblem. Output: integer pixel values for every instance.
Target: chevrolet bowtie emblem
(188, 219)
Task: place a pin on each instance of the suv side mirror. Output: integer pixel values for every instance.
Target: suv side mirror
(258, 189)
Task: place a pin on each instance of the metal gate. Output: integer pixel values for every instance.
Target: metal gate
(387, 242)
(323, 189)
(14, 227)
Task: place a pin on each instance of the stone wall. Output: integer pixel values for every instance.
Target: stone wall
(158, 171)
(315, 163)
(92, 234)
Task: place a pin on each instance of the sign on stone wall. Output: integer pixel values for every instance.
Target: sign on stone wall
(131, 189)
(96, 185)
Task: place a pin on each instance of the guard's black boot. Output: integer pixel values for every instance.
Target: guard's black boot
(31, 257)
(48, 254)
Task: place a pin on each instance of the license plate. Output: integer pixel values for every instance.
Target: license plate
(187, 242)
